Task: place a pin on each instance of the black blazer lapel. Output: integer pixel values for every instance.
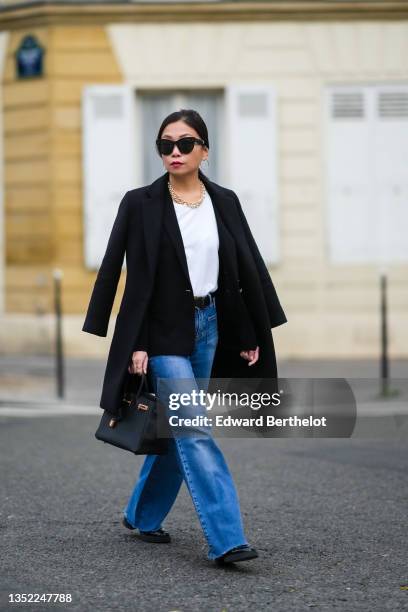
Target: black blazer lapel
(159, 214)
(171, 226)
(226, 207)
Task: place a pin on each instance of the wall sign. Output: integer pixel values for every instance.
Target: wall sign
(29, 58)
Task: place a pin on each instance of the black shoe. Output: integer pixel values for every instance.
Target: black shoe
(236, 554)
(154, 536)
(149, 536)
(126, 523)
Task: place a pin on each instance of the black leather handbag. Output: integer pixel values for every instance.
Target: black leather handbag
(136, 427)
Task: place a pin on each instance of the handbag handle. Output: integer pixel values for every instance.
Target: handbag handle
(143, 383)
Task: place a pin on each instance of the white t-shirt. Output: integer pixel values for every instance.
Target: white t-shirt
(198, 227)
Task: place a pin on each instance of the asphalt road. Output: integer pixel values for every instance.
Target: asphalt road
(328, 518)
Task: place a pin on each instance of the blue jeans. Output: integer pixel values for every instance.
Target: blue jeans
(195, 459)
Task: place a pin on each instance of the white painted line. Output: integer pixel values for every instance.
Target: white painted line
(383, 409)
(15, 411)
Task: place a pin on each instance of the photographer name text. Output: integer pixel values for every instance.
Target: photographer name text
(259, 421)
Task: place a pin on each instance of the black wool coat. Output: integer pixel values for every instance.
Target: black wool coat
(157, 307)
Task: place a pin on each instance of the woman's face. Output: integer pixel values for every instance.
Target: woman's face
(190, 162)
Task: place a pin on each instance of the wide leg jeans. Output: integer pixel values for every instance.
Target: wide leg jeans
(195, 458)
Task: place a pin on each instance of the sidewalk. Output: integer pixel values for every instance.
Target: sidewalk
(30, 380)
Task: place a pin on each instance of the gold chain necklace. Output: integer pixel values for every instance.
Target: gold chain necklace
(179, 200)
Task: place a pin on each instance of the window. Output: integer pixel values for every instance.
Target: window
(120, 127)
(367, 177)
(109, 162)
(156, 106)
(252, 136)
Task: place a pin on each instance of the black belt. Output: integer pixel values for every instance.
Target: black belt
(202, 301)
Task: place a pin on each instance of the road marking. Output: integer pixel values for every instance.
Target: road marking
(53, 410)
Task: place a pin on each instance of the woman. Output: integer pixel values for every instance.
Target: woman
(198, 298)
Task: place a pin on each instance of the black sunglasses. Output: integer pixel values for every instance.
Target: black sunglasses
(184, 145)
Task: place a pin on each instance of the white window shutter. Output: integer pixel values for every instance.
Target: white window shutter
(252, 160)
(391, 170)
(352, 203)
(367, 157)
(109, 161)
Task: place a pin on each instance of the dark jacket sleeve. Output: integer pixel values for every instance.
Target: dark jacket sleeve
(142, 342)
(275, 310)
(104, 291)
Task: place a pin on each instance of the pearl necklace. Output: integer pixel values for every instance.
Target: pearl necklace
(179, 200)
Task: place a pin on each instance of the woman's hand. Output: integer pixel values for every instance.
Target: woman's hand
(139, 363)
(251, 356)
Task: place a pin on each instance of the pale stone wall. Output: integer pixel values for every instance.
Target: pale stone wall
(333, 310)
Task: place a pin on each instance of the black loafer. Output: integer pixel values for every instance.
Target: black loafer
(126, 523)
(154, 536)
(236, 554)
(149, 536)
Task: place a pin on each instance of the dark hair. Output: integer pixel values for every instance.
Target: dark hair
(191, 118)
